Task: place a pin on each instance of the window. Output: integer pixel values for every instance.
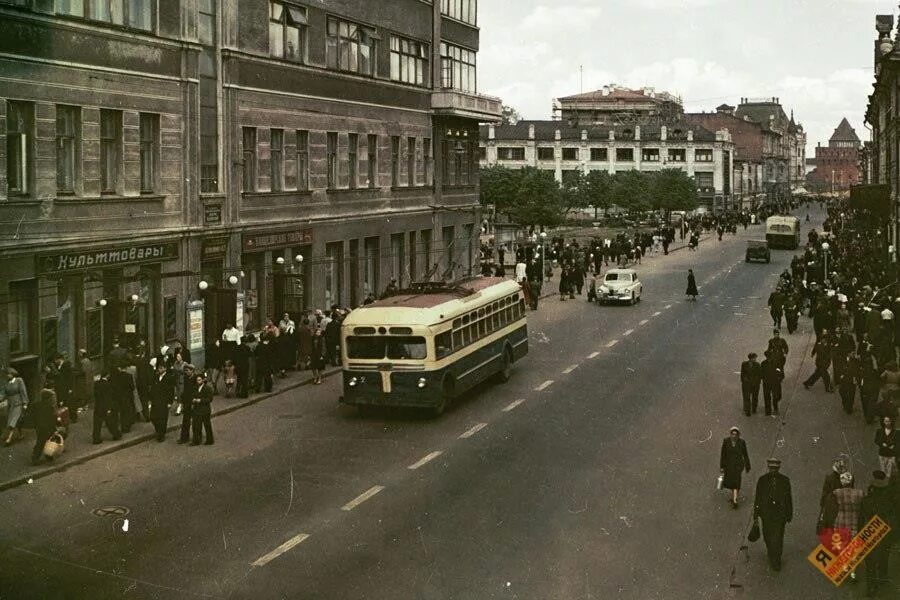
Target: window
(381, 346)
(110, 149)
(462, 10)
(206, 22)
(510, 153)
(331, 156)
(457, 68)
(372, 164)
(209, 121)
(94, 331)
(443, 345)
(149, 143)
(411, 161)
(20, 315)
(287, 31)
(352, 155)
(650, 154)
(302, 159)
(545, 153)
(704, 181)
(68, 131)
(677, 154)
(409, 61)
(395, 160)
(482, 153)
(625, 154)
(73, 8)
(249, 181)
(351, 47)
(130, 13)
(19, 153)
(276, 164)
(599, 154)
(703, 155)
(570, 153)
(426, 157)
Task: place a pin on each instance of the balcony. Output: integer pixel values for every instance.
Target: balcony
(455, 103)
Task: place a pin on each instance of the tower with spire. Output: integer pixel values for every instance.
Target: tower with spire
(837, 164)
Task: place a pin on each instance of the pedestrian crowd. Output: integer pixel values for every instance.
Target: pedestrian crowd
(844, 284)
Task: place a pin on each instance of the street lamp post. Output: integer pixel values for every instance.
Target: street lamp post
(825, 248)
(543, 253)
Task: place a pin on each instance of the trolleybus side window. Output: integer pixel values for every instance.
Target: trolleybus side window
(442, 345)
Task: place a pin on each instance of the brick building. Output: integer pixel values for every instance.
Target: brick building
(616, 105)
(166, 164)
(837, 165)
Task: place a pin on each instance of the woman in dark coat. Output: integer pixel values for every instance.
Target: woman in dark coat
(317, 358)
(691, 286)
(733, 460)
(43, 415)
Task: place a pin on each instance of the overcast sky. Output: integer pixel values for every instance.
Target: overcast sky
(815, 55)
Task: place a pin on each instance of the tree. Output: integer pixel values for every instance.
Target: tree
(574, 191)
(499, 186)
(631, 190)
(539, 200)
(598, 187)
(672, 189)
(510, 115)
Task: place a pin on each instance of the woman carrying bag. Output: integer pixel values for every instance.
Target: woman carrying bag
(732, 461)
(43, 413)
(16, 396)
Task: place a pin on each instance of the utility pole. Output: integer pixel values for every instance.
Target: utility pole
(580, 79)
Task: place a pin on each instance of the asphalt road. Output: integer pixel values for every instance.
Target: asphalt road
(589, 475)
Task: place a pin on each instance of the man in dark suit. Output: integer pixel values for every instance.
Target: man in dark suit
(773, 504)
(122, 387)
(772, 375)
(751, 376)
(161, 394)
(879, 501)
(822, 352)
(778, 347)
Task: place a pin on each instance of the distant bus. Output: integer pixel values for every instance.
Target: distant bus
(783, 232)
(425, 348)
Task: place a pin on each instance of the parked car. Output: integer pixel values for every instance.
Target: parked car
(618, 285)
(758, 250)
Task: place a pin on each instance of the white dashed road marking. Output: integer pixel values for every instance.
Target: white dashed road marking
(668, 306)
(611, 343)
(362, 497)
(595, 354)
(644, 322)
(627, 333)
(267, 558)
(513, 404)
(569, 369)
(657, 313)
(544, 385)
(740, 314)
(472, 431)
(424, 460)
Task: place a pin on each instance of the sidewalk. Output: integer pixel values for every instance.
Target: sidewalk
(16, 468)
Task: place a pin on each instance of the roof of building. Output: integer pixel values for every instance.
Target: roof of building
(764, 113)
(844, 132)
(546, 131)
(616, 93)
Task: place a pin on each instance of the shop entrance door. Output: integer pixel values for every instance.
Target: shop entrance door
(219, 310)
(287, 295)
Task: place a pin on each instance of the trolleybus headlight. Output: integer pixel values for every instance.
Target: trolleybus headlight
(352, 382)
(422, 382)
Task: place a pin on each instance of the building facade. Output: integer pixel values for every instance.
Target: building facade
(837, 165)
(617, 105)
(170, 167)
(552, 145)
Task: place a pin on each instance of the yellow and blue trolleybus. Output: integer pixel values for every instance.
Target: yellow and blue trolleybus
(426, 346)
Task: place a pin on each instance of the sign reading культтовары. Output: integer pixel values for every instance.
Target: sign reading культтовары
(837, 567)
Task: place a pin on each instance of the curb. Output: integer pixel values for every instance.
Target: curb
(145, 437)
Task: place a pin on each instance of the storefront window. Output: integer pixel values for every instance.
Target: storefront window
(20, 315)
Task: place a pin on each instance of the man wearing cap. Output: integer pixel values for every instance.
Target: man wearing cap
(772, 375)
(778, 347)
(776, 306)
(822, 352)
(774, 506)
(751, 376)
(878, 501)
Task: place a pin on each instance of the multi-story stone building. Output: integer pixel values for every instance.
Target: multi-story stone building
(784, 145)
(553, 145)
(617, 105)
(837, 165)
(165, 165)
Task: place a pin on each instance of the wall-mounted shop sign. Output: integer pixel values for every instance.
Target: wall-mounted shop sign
(255, 242)
(212, 214)
(214, 248)
(107, 257)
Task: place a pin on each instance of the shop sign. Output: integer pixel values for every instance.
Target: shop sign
(108, 257)
(212, 214)
(256, 242)
(214, 248)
